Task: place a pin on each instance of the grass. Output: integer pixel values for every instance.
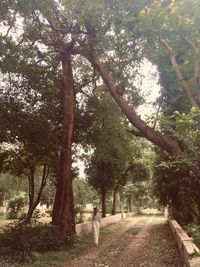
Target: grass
(134, 230)
(55, 258)
(52, 258)
(4, 222)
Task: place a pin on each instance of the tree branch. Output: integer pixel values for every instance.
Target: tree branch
(43, 183)
(135, 133)
(197, 63)
(165, 142)
(12, 23)
(179, 75)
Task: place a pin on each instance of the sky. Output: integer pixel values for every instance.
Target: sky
(150, 88)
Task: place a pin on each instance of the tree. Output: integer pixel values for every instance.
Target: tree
(172, 30)
(29, 47)
(100, 64)
(8, 187)
(15, 205)
(94, 37)
(176, 179)
(80, 187)
(114, 151)
(133, 194)
(21, 162)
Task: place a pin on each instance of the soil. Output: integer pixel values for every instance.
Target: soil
(140, 241)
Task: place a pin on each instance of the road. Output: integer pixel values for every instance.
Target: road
(139, 241)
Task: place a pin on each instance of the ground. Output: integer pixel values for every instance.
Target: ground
(140, 241)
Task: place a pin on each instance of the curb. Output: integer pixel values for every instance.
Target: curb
(186, 245)
(86, 228)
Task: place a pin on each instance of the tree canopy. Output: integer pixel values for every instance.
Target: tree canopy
(54, 54)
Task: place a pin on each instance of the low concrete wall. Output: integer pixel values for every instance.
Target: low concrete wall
(86, 228)
(186, 245)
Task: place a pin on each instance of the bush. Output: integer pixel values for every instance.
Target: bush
(19, 241)
(34, 219)
(193, 230)
(79, 214)
(2, 215)
(15, 205)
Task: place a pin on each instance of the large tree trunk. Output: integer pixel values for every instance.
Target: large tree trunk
(63, 209)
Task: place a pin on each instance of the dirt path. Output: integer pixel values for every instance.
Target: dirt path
(141, 241)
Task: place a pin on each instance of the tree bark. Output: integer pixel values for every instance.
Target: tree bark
(114, 201)
(103, 202)
(197, 79)
(33, 204)
(63, 209)
(31, 193)
(172, 56)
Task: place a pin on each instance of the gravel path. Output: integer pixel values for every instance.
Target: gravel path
(140, 241)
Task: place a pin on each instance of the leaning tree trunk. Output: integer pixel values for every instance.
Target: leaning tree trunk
(63, 209)
(164, 142)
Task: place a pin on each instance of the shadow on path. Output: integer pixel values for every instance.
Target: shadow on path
(140, 241)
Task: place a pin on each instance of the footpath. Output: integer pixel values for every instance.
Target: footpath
(139, 241)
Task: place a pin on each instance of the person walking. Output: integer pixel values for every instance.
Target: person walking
(96, 218)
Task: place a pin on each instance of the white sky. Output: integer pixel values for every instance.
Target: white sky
(150, 88)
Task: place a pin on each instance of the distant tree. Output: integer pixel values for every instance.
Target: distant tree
(113, 152)
(15, 205)
(21, 162)
(83, 194)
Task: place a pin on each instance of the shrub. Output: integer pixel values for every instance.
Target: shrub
(193, 230)
(34, 219)
(15, 205)
(19, 241)
(79, 213)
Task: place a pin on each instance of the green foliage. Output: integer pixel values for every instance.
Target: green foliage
(10, 185)
(80, 187)
(175, 22)
(15, 205)
(2, 195)
(108, 136)
(30, 102)
(177, 178)
(79, 213)
(193, 230)
(34, 219)
(19, 241)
